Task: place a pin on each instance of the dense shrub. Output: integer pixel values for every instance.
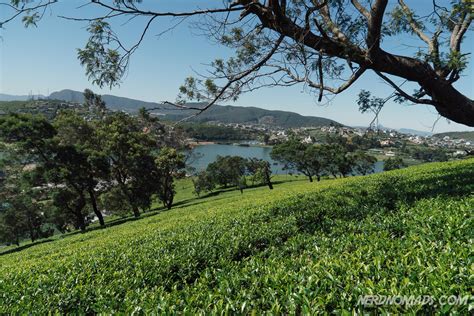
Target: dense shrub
(404, 232)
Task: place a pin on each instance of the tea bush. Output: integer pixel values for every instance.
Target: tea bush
(297, 249)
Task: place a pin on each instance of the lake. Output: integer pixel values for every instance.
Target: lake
(205, 154)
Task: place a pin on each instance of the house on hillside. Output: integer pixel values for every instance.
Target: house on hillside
(307, 140)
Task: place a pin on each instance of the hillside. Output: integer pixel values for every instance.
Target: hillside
(15, 106)
(224, 114)
(468, 136)
(302, 248)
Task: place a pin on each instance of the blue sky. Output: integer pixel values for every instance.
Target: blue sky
(43, 60)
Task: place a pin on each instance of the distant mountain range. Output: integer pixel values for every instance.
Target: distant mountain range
(217, 113)
(9, 97)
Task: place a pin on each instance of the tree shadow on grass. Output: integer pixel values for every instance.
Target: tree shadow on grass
(152, 212)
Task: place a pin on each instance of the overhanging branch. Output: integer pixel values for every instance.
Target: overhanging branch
(403, 93)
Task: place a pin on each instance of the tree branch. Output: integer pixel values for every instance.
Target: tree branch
(412, 23)
(361, 9)
(403, 93)
(231, 81)
(375, 26)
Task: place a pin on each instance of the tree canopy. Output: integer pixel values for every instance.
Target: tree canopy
(324, 45)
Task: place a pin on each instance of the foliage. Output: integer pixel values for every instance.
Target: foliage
(307, 248)
(203, 182)
(429, 154)
(363, 163)
(169, 166)
(70, 162)
(393, 163)
(305, 158)
(206, 132)
(128, 149)
(227, 170)
(260, 171)
(20, 214)
(342, 40)
(233, 171)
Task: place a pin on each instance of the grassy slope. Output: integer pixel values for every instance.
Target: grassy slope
(303, 246)
(184, 198)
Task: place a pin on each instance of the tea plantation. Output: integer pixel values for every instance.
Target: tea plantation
(298, 249)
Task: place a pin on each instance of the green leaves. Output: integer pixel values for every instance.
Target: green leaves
(301, 248)
(104, 66)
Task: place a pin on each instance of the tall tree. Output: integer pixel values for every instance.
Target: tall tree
(203, 182)
(286, 42)
(170, 164)
(21, 215)
(94, 103)
(227, 170)
(261, 171)
(363, 163)
(393, 164)
(305, 158)
(128, 149)
(74, 130)
(63, 165)
(337, 160)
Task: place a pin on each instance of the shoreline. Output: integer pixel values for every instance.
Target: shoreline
(230, 143)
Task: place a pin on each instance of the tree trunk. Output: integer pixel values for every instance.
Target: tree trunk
(319, 178)
(268, 180)
(136, 211)
(169, 203)
(310, 178)
(95, 208)
(32, 235)
(449, 102)
(81, 202)
(31, 229)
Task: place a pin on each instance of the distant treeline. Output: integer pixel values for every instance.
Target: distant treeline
(208, 132)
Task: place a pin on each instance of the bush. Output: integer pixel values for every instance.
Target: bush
(403, 232)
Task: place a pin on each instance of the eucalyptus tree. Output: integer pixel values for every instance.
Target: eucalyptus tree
(170, 165)
(305, 158)
(64, 166)
(128, 150)
(227, 170)
(74, 130)
(203, 182)
(325, 45)
(363, 163)
(394, 163)
(261, 171)
(21, 214)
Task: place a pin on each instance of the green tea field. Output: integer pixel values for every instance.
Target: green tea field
(302, 248)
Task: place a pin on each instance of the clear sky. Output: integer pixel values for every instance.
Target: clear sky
(43, 60)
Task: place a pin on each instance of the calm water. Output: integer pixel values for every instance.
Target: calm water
(205, 154)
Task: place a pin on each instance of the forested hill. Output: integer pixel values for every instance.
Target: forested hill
(224, 114)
